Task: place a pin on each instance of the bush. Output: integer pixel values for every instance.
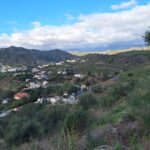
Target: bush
(23, 77)
(97, 89)
(53, 89)
(76, 121)
(70, 88)
(115, 93)
(139, 102)
(52, 118)
(140, 108)
(87, 101)
(32, 121)
(21, 130)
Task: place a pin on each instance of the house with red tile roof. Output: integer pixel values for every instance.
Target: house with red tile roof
(21, 95)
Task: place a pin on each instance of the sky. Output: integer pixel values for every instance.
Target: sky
(84, 25)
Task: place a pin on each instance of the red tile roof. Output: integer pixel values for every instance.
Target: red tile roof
(21, 95)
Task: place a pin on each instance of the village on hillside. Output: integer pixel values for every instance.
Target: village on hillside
(50, 84)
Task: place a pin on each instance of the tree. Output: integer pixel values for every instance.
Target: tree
(147, 37)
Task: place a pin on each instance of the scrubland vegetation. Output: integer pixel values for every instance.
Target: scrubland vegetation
(117, 116)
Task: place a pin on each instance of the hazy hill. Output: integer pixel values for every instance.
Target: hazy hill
(111, 52)
(21, 56)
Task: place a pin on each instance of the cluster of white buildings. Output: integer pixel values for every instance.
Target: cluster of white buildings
(62, 72)
(36, 85)
(67, 99)
(5, 69)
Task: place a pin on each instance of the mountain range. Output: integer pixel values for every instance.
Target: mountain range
(22, 56)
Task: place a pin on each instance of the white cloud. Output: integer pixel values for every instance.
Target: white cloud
(125, 5)
(90, 31)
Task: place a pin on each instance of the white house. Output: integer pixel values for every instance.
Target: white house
(12, 70)
(41, 76)
(59, 63)
(3, 70)
(65, 94)
(33, 85)
(45, 84)
(64, 73)
(27, 80)
(83, 87)
(19, 73)
(72, 61)
(35, 70)
(81, 76)
(59, 72)
(70, 100)
(5, 101)
(55, 99)
(40, 101)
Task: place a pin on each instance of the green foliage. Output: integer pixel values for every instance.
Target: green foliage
(32, 121)
(52, 118)
(6, 94)
(23, 77)
(97, 89)
(53, 90)
(70, 88)
(125, 102)
(147, 37)
(140, 107)
(17, 103)
(76, 120)
(139, 101)
(115, 93)
(87, 101)
(34, 94)
(118, 146)
(21, 130)
(59, 90)
(134, 141)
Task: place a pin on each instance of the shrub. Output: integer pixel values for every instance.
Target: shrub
(52, 118)
(20, 130)
(97, 89)
(115, 93)
(130, 74)
(32, 121)
(70, 88)
(140, 107)
(23, 77)
(118, 146)
(87, 101)
(53, 89)
(139, 102)
(76, 121)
